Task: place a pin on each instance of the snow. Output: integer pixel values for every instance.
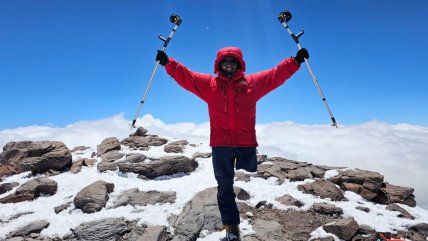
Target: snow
(187, 185)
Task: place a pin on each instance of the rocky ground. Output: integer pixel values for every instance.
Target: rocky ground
(285, 218)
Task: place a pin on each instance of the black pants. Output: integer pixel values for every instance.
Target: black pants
(224, 159)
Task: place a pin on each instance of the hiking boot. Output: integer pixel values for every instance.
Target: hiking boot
(232, 232)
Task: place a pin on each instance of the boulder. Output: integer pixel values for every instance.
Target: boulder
(139, 132)
(161, 167)
(93, 197)
(135, 197)
(323, 189)
(32, 190)
(202, 155)
(107, 145)
(395, 194)
(344, 228)
(154, 233)
(79, 148)
(111, 156)
(38, 156)
(200, 213)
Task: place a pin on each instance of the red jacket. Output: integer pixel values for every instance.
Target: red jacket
(232, 101)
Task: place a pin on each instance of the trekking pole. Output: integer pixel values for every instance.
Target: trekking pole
(284, 17)
(177, 21)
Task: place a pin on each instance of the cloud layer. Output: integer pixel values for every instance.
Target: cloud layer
(398, 151)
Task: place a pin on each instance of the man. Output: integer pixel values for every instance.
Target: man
(231, 97)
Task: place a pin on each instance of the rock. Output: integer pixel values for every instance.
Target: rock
(269, 229)
(111, 229)
(107, 166)
(421, 229)
(33, 227)
(202, 155)
(323, 189)
(31, 190)
(365, 183)
(38, 156)
(93, 197)
(282, 168)
(89, 162)
(62, 207)
(261, 159)
(79, 148)
(327, 209)
(6, 187)
(143, 142)
(135, 158)
(241, 194)
(395, 194)
(76, 166)
(364, 209)
(154, 233)
(402, 211)
(290, 201)
(161, 167)
(111, 156)
(107, 145)
(175, 146)
(344, 228)
(135, 197)
(139, 132)
(366, 230)
(299, 174)
(200, 213)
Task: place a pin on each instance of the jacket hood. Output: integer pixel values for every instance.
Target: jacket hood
(229, 51)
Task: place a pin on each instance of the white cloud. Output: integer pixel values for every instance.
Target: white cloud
(398, 151)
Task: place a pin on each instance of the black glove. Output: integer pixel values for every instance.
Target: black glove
(162, 57)
(301, 55)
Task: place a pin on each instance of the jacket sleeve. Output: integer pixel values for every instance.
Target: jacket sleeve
(268, 80)
(197, 83)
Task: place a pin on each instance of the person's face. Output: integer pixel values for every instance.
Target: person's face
(229, 65)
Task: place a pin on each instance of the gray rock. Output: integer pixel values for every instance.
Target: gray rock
(269, 230)
(107, 166)
(6, 187)
(33, 227)
(76, 166)
(290, 201)
(154, 233)
(344, 228)
(200, 213)
(111, 156)
(93, 197)
(323, 189)
(62, 207)
(38, 156)
(135, 197)
(163, 166)
(241, 194)
(112, 229)
(364, 209)
(107, 145)
(135, 158)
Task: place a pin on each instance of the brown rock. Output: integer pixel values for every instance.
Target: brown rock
(107, 145)
(323, 189)
(344, 228)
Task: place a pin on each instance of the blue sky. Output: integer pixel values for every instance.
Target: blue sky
(66, 61)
